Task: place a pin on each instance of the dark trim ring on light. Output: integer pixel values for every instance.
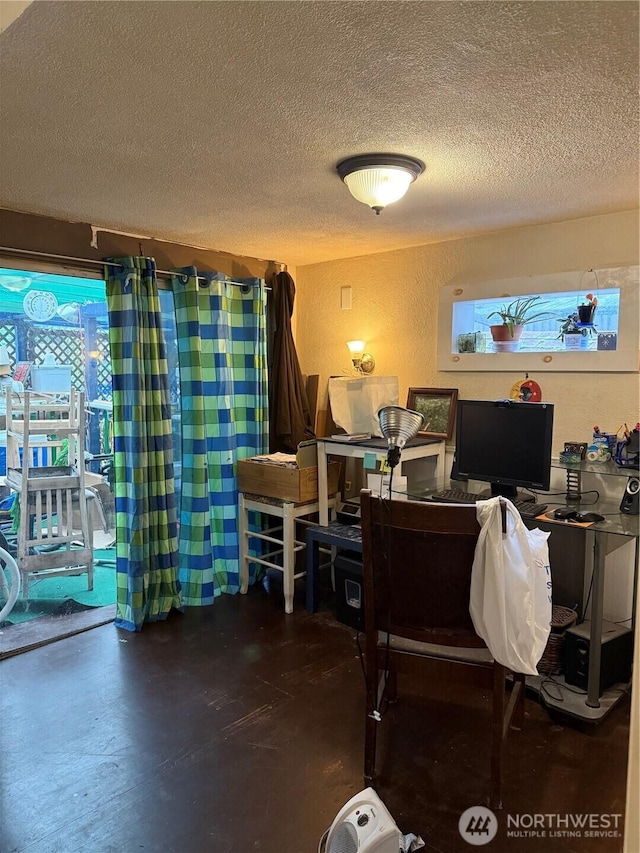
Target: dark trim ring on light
(412, 165)
(379, 179)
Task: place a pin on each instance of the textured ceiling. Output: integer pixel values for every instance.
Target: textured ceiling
(219, 124)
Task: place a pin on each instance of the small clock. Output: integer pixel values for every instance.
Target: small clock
(39, 305)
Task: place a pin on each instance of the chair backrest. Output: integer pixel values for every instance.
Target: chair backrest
(417, 559)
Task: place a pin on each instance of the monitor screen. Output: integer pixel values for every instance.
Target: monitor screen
(505, 443)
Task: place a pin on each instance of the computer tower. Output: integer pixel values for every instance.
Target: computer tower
(616, 655)
(349, 589)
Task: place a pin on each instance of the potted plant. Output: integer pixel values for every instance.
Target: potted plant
(515, 315)
(587, 310)
(574, 333)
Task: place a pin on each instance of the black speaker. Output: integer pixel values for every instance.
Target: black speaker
(616, 655)
(630, 503)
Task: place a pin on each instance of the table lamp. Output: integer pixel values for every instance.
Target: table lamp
(398, 426)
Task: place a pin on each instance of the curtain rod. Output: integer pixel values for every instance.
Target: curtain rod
(164, 273)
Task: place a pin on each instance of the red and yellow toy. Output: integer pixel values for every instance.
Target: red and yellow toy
(526, 391)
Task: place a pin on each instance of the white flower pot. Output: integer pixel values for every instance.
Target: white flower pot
(573, 341)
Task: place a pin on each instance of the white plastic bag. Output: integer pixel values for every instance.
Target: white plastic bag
(510, 600)
(355, 401)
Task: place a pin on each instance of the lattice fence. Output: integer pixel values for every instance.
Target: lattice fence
(104, 364)
(8, 338)
(67, 346)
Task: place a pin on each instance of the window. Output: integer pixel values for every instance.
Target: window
(573, 321)
(472, 320)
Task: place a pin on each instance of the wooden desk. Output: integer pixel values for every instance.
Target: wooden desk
(417, 449)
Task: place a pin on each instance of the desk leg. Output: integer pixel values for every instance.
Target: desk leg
(288, 555)
(323, 497)
(243, 527)
(313, 559)
(635, 587)
(440, 472)
(595, 634)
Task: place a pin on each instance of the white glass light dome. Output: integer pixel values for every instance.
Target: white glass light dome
(379, 179)
(378, 187)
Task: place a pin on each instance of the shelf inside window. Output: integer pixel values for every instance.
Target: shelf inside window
(609, 343)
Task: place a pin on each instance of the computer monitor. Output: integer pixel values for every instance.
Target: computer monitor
(504, 443)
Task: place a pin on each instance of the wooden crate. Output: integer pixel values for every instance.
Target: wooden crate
(288, 484)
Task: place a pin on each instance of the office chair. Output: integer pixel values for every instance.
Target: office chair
(417, 559)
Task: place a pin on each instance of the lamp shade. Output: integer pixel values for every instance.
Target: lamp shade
(398, 426)
(356, 348)
(379, 179)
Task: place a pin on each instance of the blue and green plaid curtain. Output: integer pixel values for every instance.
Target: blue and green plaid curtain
(146, 525)
(221, 330)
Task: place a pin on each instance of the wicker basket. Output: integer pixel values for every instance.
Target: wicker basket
(551, 661)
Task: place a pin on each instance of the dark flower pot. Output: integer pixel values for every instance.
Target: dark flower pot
(586, 313)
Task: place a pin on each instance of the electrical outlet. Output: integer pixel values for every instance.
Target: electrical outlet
(347, 485)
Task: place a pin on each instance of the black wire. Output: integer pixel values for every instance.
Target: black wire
(384, 699)
(381, 706)
(372, 698)
(364, 671)
(540, 497)
(591, 492)
(586, 604)
(559, 698)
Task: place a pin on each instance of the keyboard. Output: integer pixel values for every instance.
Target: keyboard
(527, 509)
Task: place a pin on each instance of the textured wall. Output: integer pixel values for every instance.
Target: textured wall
(395, 302)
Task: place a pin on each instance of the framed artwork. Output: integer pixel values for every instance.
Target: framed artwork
(438, 406)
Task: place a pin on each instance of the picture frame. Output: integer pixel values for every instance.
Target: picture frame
(438, 406)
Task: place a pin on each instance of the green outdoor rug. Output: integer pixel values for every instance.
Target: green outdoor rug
(62, 596)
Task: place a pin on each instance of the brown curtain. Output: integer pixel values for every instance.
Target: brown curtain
(289, 414)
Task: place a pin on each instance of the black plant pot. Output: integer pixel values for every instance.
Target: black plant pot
(586, 313)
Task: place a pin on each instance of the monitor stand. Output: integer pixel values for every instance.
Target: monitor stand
(504, 491)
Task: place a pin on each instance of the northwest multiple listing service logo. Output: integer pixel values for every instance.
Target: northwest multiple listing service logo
(479, 825)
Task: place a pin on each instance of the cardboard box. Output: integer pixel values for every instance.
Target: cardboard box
(298, 485)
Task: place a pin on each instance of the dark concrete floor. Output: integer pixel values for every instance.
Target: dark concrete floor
(236, 728)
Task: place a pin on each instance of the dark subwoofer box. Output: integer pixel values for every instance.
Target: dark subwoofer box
(615, 661)
(349, 589)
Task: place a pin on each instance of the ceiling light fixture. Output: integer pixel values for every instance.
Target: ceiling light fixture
(379, 179)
